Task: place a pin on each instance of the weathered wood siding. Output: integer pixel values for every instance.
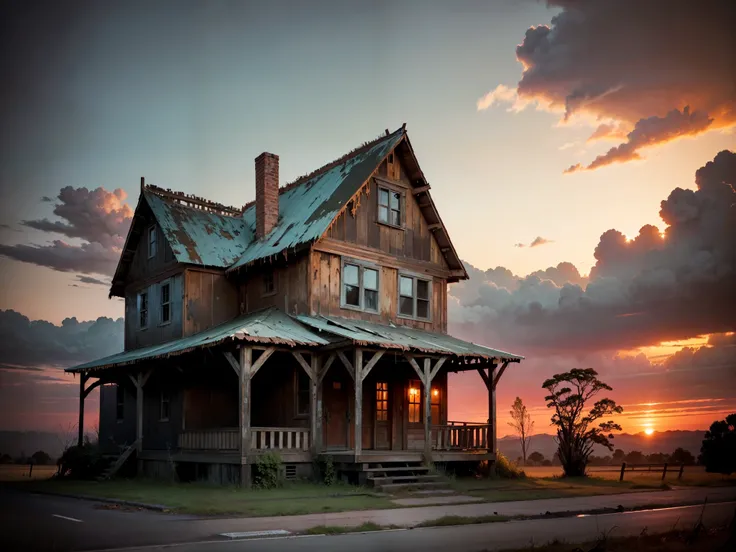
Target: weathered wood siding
(158, 433)
(156, 331)
(325, 295)
(273, 402)
(209, 299)
(360, 226)
(114, 433)
(291, 287)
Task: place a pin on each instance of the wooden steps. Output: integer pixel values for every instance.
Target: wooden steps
(116, 463)
(399, 476)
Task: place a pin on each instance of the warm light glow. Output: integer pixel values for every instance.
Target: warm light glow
(413, 391)
(649, 431)
(435, 392)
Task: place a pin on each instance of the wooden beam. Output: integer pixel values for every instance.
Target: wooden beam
(436, 368)
(483, 375)
(500, 373)
(82, 381)
(264, 356)
(326, 367)
(303, 363)
(246, 361)
(315, 403)
(358, 384)
(435, 226)
(427, 410)
(348, 365)
(368, 367)
(414, 365)
(420, 189)
(234, 363)
(89, 389)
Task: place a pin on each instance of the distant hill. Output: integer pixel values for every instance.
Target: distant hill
(16, 443)
(659, 441)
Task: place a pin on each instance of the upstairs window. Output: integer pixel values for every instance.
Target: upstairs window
(143, 310)
(165, 303)
(359, 286)
(414, 297)
(165, 407)
(119, 403)
(269, 284)
(389, 207)
(152, 243)
(302, 385)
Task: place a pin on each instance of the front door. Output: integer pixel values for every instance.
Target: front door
(383, 416)
(335, 411)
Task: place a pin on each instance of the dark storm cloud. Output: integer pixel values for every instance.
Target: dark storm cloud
(641, 292)
(99, 217)
(647, 71)
(89, 280)
(27, 344)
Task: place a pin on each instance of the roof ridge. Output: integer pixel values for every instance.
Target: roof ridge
(194, 202)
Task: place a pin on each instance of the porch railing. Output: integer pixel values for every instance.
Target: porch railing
(460, 436)
(262, 438)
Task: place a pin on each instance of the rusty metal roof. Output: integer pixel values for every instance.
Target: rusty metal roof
(270, 326)
(200, 237)
(307, 208)
(364, 333)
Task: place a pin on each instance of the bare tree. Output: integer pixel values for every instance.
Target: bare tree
(522, 424)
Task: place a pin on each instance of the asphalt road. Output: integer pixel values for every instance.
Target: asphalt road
(38, 522)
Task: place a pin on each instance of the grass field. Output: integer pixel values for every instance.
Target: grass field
(692, 475)
(16, 472)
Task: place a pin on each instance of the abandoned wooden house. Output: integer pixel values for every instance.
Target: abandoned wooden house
(311, 322)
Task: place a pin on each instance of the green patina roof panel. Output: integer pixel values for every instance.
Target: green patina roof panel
(270, 326)
(200, 237)
(307, 209)
(392, 336)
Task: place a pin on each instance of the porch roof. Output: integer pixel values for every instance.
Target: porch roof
(391, 336)
(270, 326)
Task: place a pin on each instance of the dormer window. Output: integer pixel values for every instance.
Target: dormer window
(389, 206)
(152, 244)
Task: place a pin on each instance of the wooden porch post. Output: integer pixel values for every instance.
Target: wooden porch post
(491, 411)
(427, 384)
(246, 361)
(316, 405)
(82, 395)
(358, 364)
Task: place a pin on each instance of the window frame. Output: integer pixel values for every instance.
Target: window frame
(139, 310)
(435, 401)
(161, 285)
(390, 188)
(414, 384)
(274, 289)
(152, 251)
(164, 398)
(362, 266)
(299, 373)
(415, 297)
(381, 401)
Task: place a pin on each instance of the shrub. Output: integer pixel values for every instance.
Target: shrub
(81, 462)
(505, 469)
(268, 471)
(718, 452)
(327, 471)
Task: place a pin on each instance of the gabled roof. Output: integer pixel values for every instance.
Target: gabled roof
(217, 236)
(273, 327)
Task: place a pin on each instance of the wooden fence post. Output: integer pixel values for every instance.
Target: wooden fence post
(682, 468)
(664, 471)
(623, 469)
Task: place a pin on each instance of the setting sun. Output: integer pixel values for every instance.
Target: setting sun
(649, 431)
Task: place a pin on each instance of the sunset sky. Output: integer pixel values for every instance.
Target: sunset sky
(549, 133)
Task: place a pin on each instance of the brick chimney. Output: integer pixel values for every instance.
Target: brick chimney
(267, 193)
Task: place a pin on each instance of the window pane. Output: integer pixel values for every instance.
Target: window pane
(382, 213)
(352, 295)
(396, 218)
(395, 200)
(371, 300)
(370, 279)
(406, 306)
(422, 308)
(350, 275)
(165, 293)
(382, 196)
(423, 289)
(406, 286)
